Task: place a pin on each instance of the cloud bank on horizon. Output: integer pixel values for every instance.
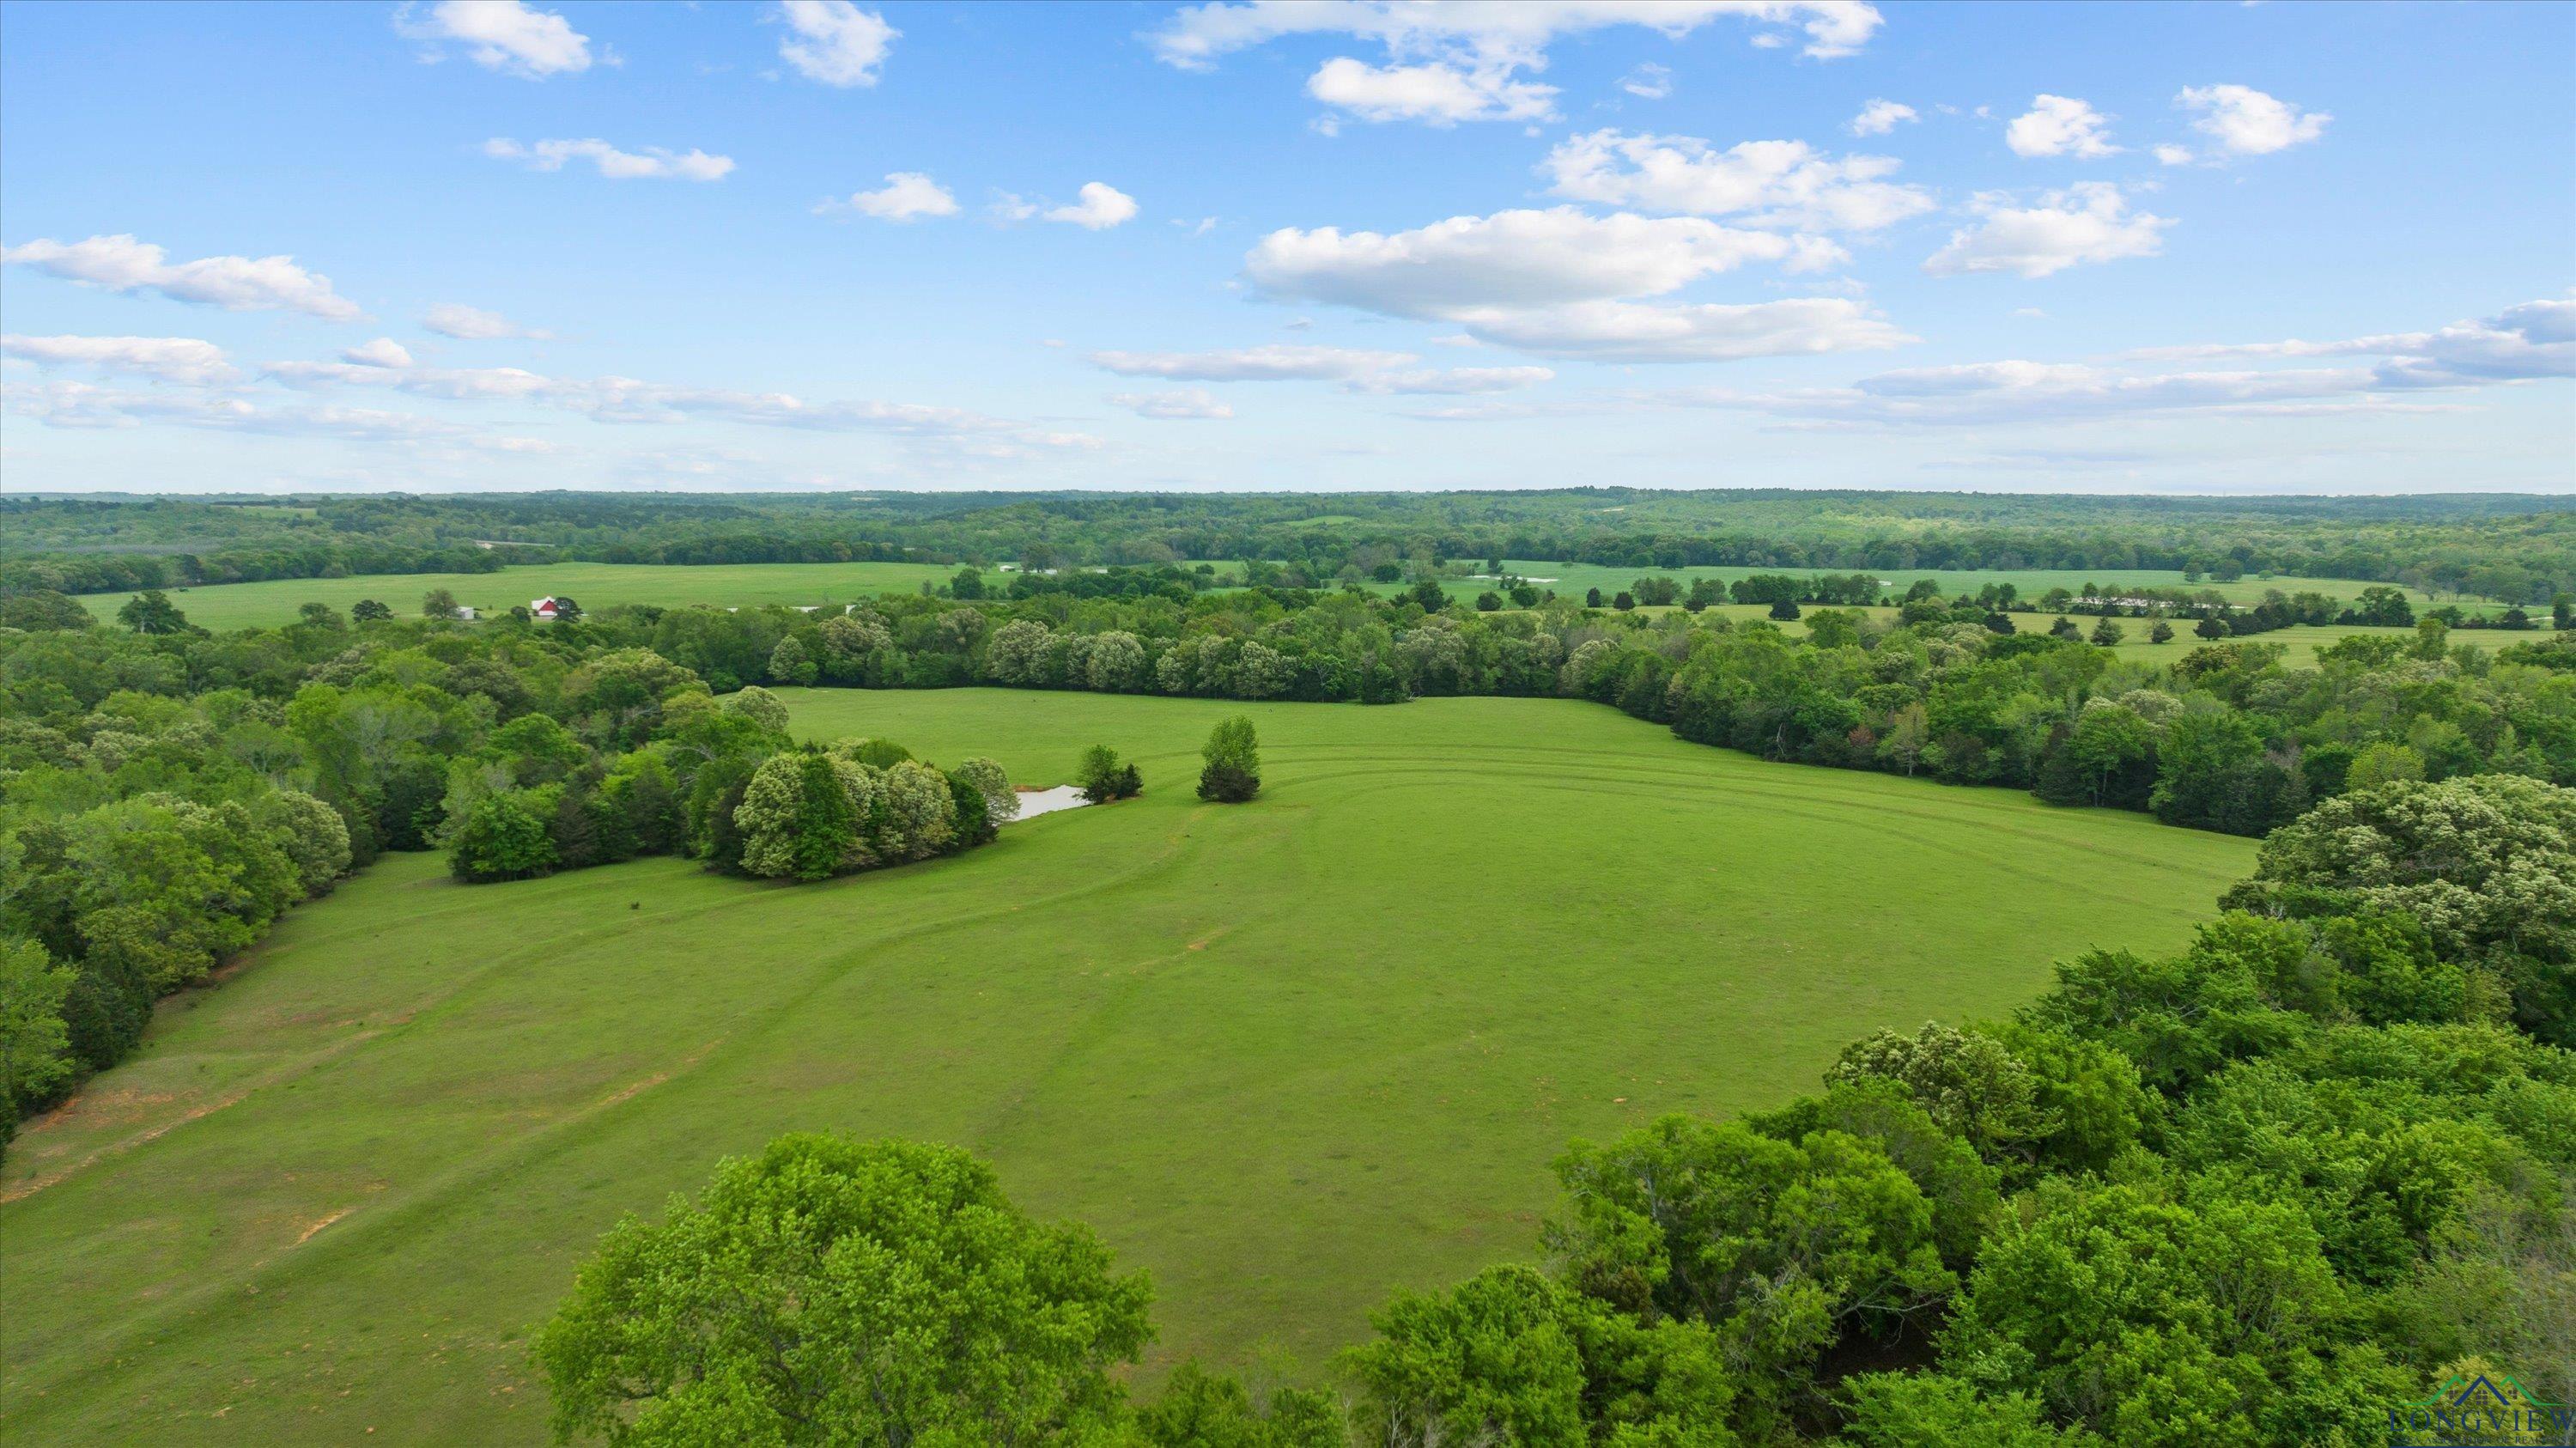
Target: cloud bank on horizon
(1663, 242)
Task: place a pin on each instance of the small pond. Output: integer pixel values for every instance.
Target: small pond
(1035, 802)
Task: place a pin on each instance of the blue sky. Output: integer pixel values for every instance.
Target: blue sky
(2264, 248)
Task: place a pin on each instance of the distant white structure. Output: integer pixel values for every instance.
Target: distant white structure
(546, 608)
(464, 611)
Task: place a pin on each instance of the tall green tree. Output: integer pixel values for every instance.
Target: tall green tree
(2486, 863)
(503, 837)
(152, 612)
(35, 1042)
(799, 818)
(836, 1292)
(1511, 1357)
(1231, 771)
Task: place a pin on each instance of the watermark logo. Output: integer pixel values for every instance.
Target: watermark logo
(2488, 1410)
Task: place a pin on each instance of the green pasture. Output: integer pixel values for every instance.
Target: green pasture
(1572, 579)
(1289, 1056)
(2300, 642)
(592, 585)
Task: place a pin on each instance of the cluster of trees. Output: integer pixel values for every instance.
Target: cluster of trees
(2270, 1190)
(135, 863)
(2227, 738)
(165, 794)
(711, 780)
(1104, 777)
(1841, 589)
(2517, 550)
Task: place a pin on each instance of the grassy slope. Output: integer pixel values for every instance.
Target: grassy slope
(592, 585)
(1288, 1055)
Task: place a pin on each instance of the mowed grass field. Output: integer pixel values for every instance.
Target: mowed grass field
(592, 585)
(1288, 1056)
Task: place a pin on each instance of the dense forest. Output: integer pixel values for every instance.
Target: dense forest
(2518, 549)
(2265, 1191)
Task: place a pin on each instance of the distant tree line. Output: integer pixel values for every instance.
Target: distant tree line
(2515, 549)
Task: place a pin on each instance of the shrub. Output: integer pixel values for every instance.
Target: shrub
(1104, 778)
(1232, 773)
(504, 837)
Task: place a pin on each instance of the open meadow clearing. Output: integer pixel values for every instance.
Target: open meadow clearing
(1288, 1056)
(271, 602)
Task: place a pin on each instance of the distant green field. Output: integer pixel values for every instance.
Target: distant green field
(1288, 1056)
(592, 585)
(598, 585)
(1572, 579)
(2300, 641)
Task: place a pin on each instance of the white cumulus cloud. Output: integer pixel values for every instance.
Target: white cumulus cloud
(1561, 282)
(1648, 82)
(2246, 122)
(1880, 117)
(1438, 93)
(906, 196)
(1768, 183)
(1102, 206)
(2535, 341)
(1276, 363)
(1177, 405)
(1691, 332)
(2060, 126)
(1509, 259)
(502, 35)
(1451, 381)
(187, 361)
(382, 352)
(834, 41)
(2522, 343)
(473, 324)
(1447, 63)
(2087, 222)
(653, 163)
(235, 283)
(614, 399)
(1197, 34)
